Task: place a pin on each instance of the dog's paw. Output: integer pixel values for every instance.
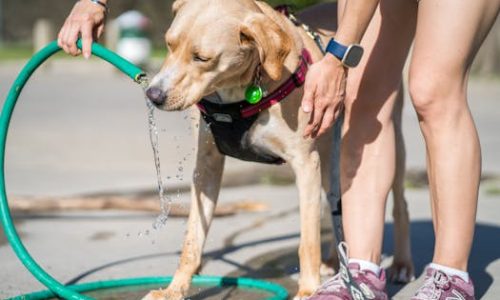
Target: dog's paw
(163, 295)
(303, 295)
(326, 270)
(401, 272)
(156, 295)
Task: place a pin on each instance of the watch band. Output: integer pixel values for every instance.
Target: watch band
(102, 4)
(337, 49)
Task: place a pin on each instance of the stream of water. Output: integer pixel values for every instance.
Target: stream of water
(165, 200)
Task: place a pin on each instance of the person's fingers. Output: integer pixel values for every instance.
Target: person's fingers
(71, 38)
(60, 37)
(327, 121)
(86, 32)
(308, 97)
(308, 103)
(100, 30)
(308, 128)
(319, 114)
(339, 109)
(61, 41)
(316, 117)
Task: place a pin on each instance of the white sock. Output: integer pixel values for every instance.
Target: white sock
(451, 271)
(366, 265)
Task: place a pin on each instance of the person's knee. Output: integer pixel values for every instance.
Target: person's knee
(434, 92)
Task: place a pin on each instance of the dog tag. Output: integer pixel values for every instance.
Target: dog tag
(253, 94)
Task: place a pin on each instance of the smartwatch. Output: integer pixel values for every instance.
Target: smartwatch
(348, 55)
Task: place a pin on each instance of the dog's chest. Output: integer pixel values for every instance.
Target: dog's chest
(241, 138)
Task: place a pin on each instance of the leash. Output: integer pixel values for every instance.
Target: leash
(335, 200)
(334, 196)
(287, 11)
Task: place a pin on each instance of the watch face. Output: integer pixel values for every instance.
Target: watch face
(353, 56)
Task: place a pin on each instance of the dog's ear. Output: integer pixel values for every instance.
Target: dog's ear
(271, 41)
(177, 5)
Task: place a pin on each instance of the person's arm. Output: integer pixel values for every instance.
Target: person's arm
(324, 89)
(85, 20)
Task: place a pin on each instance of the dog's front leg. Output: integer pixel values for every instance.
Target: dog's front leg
(204, 192)
(308, 177)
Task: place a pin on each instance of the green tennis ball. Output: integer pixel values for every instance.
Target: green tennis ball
(253, 94)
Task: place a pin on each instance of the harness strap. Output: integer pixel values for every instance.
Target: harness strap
(248, 110)
(296, 80)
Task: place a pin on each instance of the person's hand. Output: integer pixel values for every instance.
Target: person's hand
(324, 92)
(85, 20)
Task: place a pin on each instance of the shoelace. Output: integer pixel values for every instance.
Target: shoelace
(345, 279)
(433, 286)
(333, 284)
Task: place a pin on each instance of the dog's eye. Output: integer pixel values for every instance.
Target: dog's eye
(197, 57)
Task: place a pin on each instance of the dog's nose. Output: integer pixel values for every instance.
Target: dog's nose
(156, 95)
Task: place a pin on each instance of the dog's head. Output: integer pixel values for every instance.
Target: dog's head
(216, 45)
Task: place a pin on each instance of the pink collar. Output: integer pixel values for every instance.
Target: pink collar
(296, 80)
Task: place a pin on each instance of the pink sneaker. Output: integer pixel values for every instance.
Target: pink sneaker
(440, 286)
(373, 287)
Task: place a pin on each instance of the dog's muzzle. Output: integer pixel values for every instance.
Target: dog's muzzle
(156, 95)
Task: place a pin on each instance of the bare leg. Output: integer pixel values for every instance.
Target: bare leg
(368, 146)
(448, 35)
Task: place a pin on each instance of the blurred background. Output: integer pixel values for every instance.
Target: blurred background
(80, 170)
(25, 25)
(20, 20)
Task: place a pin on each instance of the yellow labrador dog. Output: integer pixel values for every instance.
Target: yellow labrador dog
(217, 48)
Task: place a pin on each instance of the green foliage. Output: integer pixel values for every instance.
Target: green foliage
(297, 4)
(13, 52)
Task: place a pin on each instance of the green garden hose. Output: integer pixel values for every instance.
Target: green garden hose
(56, 288)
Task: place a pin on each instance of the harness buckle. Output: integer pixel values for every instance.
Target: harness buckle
(220, 117)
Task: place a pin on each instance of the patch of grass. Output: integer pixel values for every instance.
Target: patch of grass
(24, 52)
(160, 52)
(15, 52)
(275, 179)
(493, 190)
(411, 185)
(297, 4)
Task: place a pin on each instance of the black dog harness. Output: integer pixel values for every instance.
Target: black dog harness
(230, 123)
